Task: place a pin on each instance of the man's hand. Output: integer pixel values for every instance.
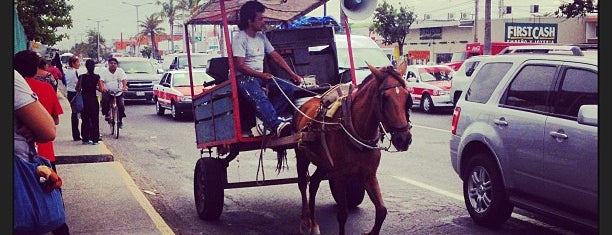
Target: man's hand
(297, 79)
(267, 76)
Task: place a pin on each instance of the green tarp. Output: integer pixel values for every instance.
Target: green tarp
(19, 33)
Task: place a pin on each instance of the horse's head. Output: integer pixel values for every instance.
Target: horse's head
(395, 103)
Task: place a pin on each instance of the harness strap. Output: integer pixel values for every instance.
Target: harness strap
(348, 123)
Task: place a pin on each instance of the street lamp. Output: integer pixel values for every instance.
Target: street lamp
(98, 43)
(136, 6)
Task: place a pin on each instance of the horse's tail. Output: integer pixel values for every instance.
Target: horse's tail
(281, 157)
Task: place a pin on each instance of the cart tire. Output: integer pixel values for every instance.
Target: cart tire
(355, 193)
(210, 176)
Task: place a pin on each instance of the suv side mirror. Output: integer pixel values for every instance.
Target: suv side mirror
(587, 114)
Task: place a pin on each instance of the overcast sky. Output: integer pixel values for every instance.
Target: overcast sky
(117, 18)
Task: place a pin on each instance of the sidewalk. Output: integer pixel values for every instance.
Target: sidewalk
(100, 197)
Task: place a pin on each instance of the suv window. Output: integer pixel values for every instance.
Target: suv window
(485, 81)
(531, 87)
(579, 87)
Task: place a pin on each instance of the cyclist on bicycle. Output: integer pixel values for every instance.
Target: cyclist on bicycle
(113, 80)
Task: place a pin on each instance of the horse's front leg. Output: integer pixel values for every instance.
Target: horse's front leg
(340, 187)
(373, 189)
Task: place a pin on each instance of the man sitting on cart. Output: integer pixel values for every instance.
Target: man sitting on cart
(250, 46)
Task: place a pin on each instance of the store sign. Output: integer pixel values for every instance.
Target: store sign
(431, 33)
(531, 32)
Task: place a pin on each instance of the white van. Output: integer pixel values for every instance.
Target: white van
(364, 50)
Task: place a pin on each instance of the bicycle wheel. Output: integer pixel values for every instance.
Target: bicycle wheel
(116, 120)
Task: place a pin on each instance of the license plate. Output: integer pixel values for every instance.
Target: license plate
(140, 93)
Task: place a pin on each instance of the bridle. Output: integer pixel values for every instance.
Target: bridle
(382, 115)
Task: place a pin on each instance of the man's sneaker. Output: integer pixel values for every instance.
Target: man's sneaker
(283, 129)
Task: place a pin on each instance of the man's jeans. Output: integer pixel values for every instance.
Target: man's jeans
(106, 102)
(266, 109)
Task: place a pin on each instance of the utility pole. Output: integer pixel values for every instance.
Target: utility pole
(487, 28)
(475, 20)
(137, 19)
(98, 43)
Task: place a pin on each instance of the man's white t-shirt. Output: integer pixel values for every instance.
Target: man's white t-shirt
(253, 49)
(113, 81)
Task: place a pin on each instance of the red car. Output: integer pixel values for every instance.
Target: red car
(174, 91)
(430, 85)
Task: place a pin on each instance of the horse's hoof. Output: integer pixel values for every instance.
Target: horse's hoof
(305, 229)
(315, 230)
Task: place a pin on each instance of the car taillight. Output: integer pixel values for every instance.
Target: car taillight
(455, 121)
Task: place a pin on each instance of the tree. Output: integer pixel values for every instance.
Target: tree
(40, 18)
(169, 10)
(392, 25)
(577, 8)
(150, 27)
(190, 7)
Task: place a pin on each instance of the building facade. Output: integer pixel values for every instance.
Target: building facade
(435, 41)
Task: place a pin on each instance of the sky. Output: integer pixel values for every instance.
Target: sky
(118, 17)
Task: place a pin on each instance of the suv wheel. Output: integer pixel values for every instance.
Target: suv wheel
(484, 192)
(427, 104)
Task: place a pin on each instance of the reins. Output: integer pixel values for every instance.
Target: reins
(346, 123)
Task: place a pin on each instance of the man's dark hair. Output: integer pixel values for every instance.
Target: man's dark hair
(113, 59)
(248, 11)
(26, 63)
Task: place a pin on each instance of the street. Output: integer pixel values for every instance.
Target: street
(422, 193)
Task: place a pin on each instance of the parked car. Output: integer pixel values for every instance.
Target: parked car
(525, 134)
(462, 76)
(173, 92)
(141, 75)
(430, 86)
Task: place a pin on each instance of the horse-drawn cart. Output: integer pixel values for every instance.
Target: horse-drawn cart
(225, 123)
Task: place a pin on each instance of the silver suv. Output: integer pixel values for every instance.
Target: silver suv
(524, 134)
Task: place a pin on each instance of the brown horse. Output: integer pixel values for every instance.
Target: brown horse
(343, 145)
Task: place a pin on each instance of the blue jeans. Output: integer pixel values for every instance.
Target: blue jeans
(267, 108)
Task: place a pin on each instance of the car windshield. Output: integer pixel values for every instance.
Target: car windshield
(373, 56)
(197, 61)
(435, 74)
(199, 78)
(131, 67)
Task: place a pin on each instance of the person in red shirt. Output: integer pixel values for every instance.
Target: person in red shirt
(26, 64)
(48, 98)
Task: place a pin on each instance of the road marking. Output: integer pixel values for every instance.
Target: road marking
(460, 198)
(144, 203)
(432, 128)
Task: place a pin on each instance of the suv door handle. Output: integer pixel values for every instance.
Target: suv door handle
(558, 134)
(501, 121)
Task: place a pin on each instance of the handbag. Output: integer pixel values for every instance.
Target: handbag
(77, 102)
(35, 211)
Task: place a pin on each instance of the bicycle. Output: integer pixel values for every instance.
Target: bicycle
(114, 113)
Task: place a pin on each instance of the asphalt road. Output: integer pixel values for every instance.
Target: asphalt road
(421, 191)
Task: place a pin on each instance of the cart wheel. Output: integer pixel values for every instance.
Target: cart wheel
(355, 192)
(210, 176)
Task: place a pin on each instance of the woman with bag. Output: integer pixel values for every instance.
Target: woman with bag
(88, 84)
(33, 123)
(72, 77)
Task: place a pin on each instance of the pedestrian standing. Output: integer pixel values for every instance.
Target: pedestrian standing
(72, 77)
